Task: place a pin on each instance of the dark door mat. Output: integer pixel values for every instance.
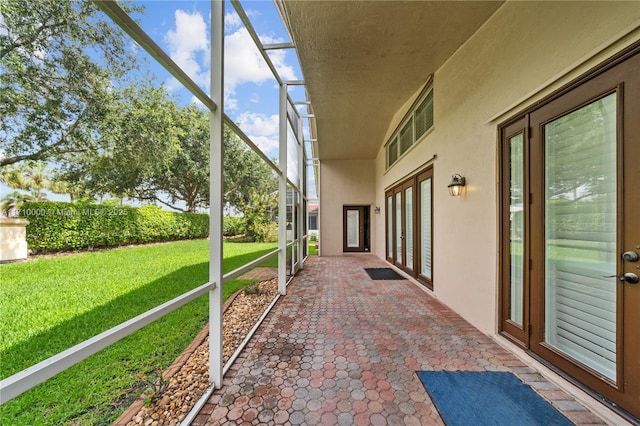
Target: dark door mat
(383, 274)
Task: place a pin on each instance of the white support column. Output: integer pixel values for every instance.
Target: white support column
(282, 204)
(302, 214)
(216, 156)
(319, 194)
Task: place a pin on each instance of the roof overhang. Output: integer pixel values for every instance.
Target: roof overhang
(362, 60)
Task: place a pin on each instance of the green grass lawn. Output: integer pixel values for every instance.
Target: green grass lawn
(312, 248)
(50, 304)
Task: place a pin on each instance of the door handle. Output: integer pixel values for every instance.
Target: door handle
(630, 256)
(629, 277)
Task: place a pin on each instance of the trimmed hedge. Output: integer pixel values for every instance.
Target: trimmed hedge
(232, 226)
(56, 226)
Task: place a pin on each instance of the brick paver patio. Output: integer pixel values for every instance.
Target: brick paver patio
(341, 349)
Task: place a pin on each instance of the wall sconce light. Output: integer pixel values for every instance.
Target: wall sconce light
(376, 210)
(456, 186)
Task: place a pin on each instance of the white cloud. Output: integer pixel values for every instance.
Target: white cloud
(232, 21)
(230, 104)
(188, 45)
(266, 144)
(259, 124)
(278, 58)
(244, 63)
(261, 128)
(188, 42)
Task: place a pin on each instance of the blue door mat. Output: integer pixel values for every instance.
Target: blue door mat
(478, 398)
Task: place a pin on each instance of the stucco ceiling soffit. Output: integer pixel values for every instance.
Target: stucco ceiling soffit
(362, 60)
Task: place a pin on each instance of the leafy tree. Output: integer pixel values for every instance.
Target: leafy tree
(138, 137)
(58, 60)
(185, 177)
(258, 215)
(244, 170)
(153, 150)
(59, 185)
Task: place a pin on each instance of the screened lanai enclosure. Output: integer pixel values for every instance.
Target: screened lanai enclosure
(483, 154)
(293, 169)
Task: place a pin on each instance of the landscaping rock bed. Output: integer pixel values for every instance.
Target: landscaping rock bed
(186, 384)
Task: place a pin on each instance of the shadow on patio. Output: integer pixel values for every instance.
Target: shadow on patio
(343, 349)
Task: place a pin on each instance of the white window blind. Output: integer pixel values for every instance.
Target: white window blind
(393, 151)
(390, 227)
(425, 224)
(580, 234)
(408, 199)
(399, 235)
(406, 136)
(516, 227)
(424, 115)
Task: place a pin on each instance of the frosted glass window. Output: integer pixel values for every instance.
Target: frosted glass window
(353, 225)
(580, 234)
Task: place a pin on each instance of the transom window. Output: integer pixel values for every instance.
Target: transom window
(412, 128)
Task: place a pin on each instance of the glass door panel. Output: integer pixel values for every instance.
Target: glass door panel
(399, 233)
(408, 210)
(409, 226)
(580, 215)
(353, 228)
(516, 227)
(389, 227)
(425, 228)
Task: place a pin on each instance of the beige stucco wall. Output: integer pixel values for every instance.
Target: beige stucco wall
(13, 239)
(344, 182)
(524, 51)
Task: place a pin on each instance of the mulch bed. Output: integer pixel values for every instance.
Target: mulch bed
(187, 378)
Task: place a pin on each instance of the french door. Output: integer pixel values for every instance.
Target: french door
(355, 228)
(571, 232)
(409, 226)
(405, 224)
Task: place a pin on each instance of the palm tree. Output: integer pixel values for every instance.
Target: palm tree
(10, 204)
(32, 177)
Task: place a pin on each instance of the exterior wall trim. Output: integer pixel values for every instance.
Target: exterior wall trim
(417, 170)
(524, 105)
(595, 71)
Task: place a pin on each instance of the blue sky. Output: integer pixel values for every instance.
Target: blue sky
(182, 29)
